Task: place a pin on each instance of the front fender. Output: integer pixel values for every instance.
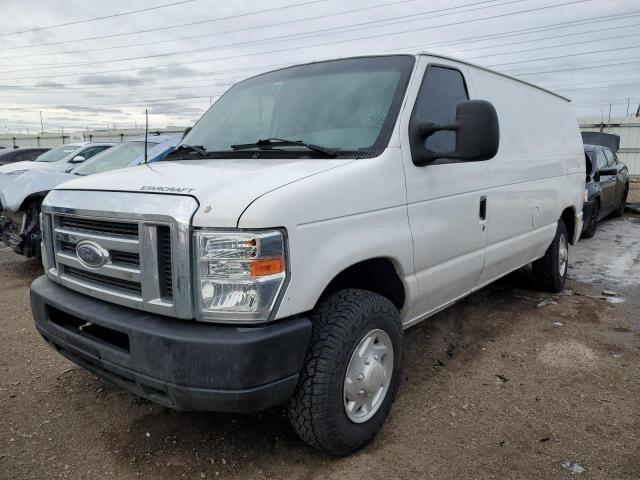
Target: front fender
(22, 187)
(336, 219)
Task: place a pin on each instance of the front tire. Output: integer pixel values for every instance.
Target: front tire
(550, 271)
(351, 374)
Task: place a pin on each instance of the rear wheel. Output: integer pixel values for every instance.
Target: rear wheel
(623, 203)
(550, 271)
(593, 220)
(351, 372)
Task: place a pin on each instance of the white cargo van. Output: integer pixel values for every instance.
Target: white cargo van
(309, 216)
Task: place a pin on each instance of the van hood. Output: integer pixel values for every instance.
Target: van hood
(223, 187)
(15, 191)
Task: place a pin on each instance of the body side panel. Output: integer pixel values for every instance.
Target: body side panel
(337, 219)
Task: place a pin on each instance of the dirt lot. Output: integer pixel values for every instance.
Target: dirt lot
(494, 387)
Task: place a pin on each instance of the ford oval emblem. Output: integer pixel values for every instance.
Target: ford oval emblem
(91, 254)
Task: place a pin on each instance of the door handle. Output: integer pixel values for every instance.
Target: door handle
(483, 208)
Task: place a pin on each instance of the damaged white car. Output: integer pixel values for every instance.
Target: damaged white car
(21, 197)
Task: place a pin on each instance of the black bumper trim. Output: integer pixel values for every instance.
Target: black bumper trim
(180, 364)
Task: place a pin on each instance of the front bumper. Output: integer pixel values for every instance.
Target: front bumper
(180, 364)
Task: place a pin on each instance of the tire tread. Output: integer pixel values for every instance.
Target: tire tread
(336, 320)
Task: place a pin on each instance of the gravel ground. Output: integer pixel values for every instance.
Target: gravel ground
(494, 387)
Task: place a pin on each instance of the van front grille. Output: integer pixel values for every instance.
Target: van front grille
(129, 259)
(99, 226)
(124, 286)
(136, 248)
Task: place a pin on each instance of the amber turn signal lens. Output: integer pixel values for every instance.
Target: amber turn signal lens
(261, 268)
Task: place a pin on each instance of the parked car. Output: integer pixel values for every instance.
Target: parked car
(310, 216)
(21, 199)
(60, 159)
(607, 180)
(26, 154)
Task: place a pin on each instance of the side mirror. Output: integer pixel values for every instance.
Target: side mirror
(78, 159)
(477, 134)
(608, 171)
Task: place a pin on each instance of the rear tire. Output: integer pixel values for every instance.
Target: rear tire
(623, 203)
(550, 271)
(338, 367)
(593, 221)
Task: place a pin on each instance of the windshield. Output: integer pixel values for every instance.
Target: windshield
(58, 153)
(119, 156)
(347, 104)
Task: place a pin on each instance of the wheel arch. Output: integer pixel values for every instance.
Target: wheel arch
(571, 222)
(38, 196)
(378, 275)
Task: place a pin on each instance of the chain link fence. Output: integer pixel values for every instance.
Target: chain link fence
(50, 140)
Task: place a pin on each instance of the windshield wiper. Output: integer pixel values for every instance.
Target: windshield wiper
(270, 143)
(199, 149)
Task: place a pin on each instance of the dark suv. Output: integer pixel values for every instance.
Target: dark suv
(607, 182)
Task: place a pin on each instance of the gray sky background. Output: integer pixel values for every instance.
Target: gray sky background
(176, 71)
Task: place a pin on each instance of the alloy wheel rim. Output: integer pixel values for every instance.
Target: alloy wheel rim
(368, 376)
(563, 255)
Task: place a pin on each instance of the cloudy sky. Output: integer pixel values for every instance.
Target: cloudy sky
(175, 57)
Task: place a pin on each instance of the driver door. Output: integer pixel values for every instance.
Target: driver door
(447, 199)
(607, 184)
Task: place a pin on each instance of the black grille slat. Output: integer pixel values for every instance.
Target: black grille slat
(68, 247)
(125, 258)
(101, 280)
(164, 262)
(124, 229)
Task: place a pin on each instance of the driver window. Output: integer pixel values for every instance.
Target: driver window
(441, 91)
(610, 160)
(601, 159)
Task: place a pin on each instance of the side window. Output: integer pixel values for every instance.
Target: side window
(601, 159)
(26, 156)
(90, 152)
(441, 90)
(32, 155)
(611, 161)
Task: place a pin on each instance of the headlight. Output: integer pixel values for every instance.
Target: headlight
(17, 172)
(238, 274)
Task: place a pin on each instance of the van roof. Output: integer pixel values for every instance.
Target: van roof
(453, 59)
(414, 54)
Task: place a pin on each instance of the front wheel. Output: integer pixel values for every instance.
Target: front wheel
(351, 372)
(550, 271)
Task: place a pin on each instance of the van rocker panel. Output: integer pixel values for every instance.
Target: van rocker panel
(180, 364)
